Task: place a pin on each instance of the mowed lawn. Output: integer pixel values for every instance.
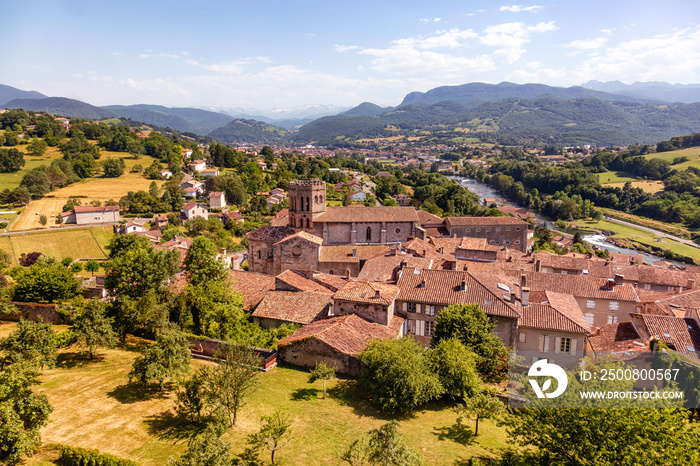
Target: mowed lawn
(693, 154)
(78, 243)
(95, 407)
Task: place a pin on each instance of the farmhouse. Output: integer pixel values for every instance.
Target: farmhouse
(217, 200)
(193, 209)
(86, 215)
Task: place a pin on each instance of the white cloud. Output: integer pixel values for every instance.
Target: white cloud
(519, 8)
(664, 57)
(430, 20)
(589, 44)
(236, 66)
(344, 48)
(510, 38)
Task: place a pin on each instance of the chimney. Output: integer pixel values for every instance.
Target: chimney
(525, 296)
(538, 265)
(512, 295)
(423, 252)
(422, 284)
(523, 280)
(463, 286)
(440, 250)
(691, 284)
(376, 294)
(619, 278)
(611, 284)
(354, 252)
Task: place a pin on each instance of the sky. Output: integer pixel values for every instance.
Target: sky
(270, 54)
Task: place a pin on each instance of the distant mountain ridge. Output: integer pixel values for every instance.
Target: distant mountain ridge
(474, 94)
(62, 106)
(192, 120)
(657, 90)
(9, 93)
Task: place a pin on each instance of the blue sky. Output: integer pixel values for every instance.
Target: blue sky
(281, 54)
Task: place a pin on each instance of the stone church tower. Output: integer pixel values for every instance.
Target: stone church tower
(307, 200)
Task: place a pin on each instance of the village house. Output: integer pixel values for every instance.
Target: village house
(506, 231)
(403, 200)
(136, 225)
(197, 165)
(282, 307)
(217, 200)
(208, 172)
(425, 292)
(194, 209)
(87, 215)
(372, 301)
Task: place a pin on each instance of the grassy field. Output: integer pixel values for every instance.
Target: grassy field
(648, 186)
(78, 243)
(615, 177)
(94, 407)
(693, 153)
(640, 236)
(11, 180)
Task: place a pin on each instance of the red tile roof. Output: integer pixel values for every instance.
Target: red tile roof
(296, 281)
(580, 286)
(478, 221)
(367, 214)
(443, 287)
(333, 282)
(304, 235)
(81, 209)
(270, 233)
(621, 336)
(297, 307)
(561, 313)
(348, 334)
(367, 292)
(252, 285)
(682, 335)
(343, 252)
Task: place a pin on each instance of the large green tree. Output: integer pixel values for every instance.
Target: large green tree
(455, 366)
(93, 329)
(398, 378)
(383, 446)
(469, 324)
(33, 342)
(201, 263)
(169, 358)
(45, 281)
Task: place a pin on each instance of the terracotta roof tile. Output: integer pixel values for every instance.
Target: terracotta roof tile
(368, 214)
(426, 218)
(270, 233)
(561, 313)
(383, 268)
(621, 336)
(294, 280)
(677, 333)
(297, 307)
(90, 209)
(443, 287)
(344, 252)
(367, 292)
(252, 285)
(333, 282)
(580, 286)
(347, 334)
(304, 235)
(476, 221)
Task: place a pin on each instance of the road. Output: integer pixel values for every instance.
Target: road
(658, 233)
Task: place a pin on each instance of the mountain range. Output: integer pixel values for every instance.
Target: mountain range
(594, 113)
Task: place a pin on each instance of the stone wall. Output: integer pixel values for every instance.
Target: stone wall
(203, 348)
(309, 352)
(297, 254)
(32, 311)
(373, 312)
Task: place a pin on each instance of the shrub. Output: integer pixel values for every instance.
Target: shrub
(76, 456)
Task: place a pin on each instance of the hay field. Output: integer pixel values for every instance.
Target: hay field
(78, 243)
(648, 186)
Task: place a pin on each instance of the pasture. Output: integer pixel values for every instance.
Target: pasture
(78, 243)
(95, 407)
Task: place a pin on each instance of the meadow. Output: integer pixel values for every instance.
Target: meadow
(95, 407)
(77, 243)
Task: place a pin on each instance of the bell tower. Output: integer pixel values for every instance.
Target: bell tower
(307, 200)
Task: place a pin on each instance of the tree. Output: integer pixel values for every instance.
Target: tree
(469, 324)
(37, 182)
(322, 371)
(22, 412)
(92, 266)
(383, 446)
(191, 396)
(455, 367)
(398, 378)
(232, 380)
(32, 342)
(274, 434)
(201, 263)
(168, 358)
(483, 405)
(92, 328)
(37, 147)
(113, 168)
(45, 282)
(11, 160)
(205, 449)
(43, 220)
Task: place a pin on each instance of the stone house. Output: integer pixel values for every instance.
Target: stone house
(217, 200)
(425, 292)
(372, 301)
(87, 215)
(261, 248)
(194, 209)
(280, 307)
(507, 231)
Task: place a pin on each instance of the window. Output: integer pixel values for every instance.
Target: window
(331, 272)
(647, 286)
(411, 307)
(565, 345)
(507, 229)
(259, 254)
(398, 230)
(369, 234)
(488, 230)
(488, 302)
(590, 304)
(614, 306)
(517, 241)
(429, 328)
(522, 337)
(517, 229)
(590, 318)
(478, 230)
(612, 319)
(430, 310)
(498, 229)
(412, 327)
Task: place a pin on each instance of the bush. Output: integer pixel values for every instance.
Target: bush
(76, 456)
(64, 339)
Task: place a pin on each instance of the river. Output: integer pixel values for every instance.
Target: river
(483, 191)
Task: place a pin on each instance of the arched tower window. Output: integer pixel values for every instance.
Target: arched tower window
(369, 234)
(259, 254)
(315, 200)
